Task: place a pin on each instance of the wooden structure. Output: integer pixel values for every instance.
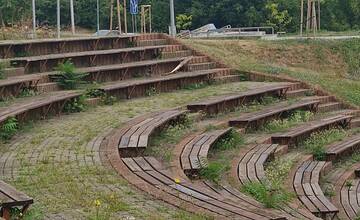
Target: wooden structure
(307, 188)
(256, 119)
(295, 135)
(230, 102)
(11, 198)
(313, 13)
(146, 19)
(137, 136)
(194, 154)
(343, 148)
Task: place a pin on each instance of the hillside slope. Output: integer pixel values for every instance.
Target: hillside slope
(332, 65)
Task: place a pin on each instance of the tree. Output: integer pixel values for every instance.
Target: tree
(276, 18)
(183, 21)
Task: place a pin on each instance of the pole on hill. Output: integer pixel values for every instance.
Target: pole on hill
(111, 14)
(118, 15)
(34, 18)
(72, 17)
(58, 19)
(97, 18)
(172, 19)
(125, 18)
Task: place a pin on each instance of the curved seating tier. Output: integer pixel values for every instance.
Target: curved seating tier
(256, 119)
(295, 135)
(250, 167)
(194, 154)
(308, 191)
(45, 63)
(10, 198)
(229, 102)
(135, 137)
(343, 148)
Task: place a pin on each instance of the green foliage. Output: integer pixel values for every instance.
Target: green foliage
(214, 171)
(94, 92)
(68, 78)
(2, 70)
(75, 105)
(151, 91)
(316, 143)
(280, 20)
(108, 99)
(230, 141)
(9, 128)
(270, 192)
(183, 21)
(195, 86)
(28, 92)
(282, 124)
(350, 49)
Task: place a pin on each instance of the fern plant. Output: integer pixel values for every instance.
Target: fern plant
(68, 78)
(75, 105)
(9, 128)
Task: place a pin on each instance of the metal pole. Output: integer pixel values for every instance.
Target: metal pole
(34, 18)
(118, 14)
(172, 19)
(58, 18)
(97, 18)
(125, 18)
(72, 17)
(302, 18)
(111, 14)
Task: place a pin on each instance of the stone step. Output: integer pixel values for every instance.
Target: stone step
(14, 71)
(201, 66)
(330, 106)
(47, 87)
(297, 93)
(175, 54)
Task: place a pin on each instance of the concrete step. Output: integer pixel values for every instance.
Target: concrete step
(47, 87)
(201, 66)
(155, 42)
(297, 93)
(175, 54)
(14, 71)
(330, 106)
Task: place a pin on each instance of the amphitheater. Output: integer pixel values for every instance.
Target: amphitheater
(120, 155)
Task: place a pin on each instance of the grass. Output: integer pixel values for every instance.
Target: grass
(219, 163)
(330, 65)
(279, 125)
(316, 143)
(271, 192)
(66, 175)
(162, 145)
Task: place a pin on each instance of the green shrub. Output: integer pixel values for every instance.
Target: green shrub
(229, 141)
(108, 100)
(94, 92)
(195, 86)
(28, 92)
(2, 70)
(316, 143)
(75, 105)
(9, 128)
(282, 124)
(151, 92)
(213, 171)
(68, 78)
